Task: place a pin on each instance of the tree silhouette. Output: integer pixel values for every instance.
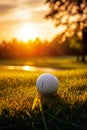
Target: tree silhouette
(72, 15)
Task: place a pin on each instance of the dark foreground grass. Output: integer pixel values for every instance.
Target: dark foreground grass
(21, 108)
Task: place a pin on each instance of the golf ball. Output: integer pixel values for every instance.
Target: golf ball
(47, 83)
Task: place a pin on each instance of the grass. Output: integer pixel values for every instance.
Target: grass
(65, 110)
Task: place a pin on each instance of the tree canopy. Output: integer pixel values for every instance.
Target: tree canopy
(72, 16)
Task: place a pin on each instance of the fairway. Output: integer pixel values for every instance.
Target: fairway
(65, 110)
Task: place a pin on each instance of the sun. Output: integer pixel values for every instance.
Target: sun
(27, 32)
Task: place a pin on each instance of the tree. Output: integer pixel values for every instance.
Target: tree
(72, 16)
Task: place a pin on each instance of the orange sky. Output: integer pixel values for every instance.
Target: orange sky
(24, 19)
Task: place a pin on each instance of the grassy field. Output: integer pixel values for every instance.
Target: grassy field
(65, 110)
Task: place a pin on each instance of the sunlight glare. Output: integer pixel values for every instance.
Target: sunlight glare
(27, 32)
(26, 68)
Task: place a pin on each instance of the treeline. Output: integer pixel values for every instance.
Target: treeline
(36, 48)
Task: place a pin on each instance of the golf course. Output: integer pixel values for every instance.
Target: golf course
(22, 108)
(43, 64)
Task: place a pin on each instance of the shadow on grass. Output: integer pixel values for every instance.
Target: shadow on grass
(54, 114)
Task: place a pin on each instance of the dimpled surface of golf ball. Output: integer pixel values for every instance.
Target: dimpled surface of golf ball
(47, 83)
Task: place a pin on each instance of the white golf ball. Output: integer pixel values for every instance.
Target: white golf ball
(47, 84)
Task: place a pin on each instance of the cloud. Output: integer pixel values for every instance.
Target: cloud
(14, 14)
(33, 11)
(7, 6)
(33, 3)
(36, 17)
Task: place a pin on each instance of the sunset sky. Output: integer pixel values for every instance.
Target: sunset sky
(24, 19)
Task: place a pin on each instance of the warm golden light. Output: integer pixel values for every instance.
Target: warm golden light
(26, 68)
(26, 32)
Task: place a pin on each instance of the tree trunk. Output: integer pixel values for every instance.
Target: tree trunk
(78, 58)
(84, 44)
(83, 59)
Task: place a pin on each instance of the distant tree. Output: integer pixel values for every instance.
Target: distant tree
(57, 46)
(75, 44)
(3, 49)
(72, 16)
